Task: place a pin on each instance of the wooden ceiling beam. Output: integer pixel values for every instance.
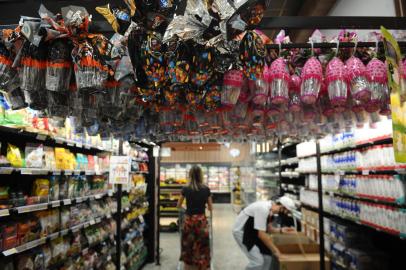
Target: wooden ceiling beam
(311, 8)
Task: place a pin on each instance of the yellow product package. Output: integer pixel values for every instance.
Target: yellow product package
(14, 156)
(60, 158)
(40, 187)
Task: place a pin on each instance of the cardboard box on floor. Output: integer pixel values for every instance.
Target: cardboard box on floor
(298, 252)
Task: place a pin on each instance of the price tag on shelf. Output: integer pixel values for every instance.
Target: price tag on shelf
(32, 208)
(79, 200)
(108, 216)
(70, 143)
(55, 204)
(365, 172)
(56, 172)
(41, 137)
(26, 171)
(64, 232)
(98, 196)
(4, 212)
(98, 220)
(92, 222)
(10, 251)
(53, 236)
(59, 140)
(80, 145)
(67, 202)
(141, 218)
(87, 146)
(68, 172)
(6, 170)
(86, 225)
(90, 172)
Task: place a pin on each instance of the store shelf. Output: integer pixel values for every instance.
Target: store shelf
(43, 240)
(355, 221)
(53, 204)
(168, 201)
(366, 198)
(359, 145)
(171, 187)
(39, 171)
(50, 140)
(401, 169)
(169, 214)
(290, 174)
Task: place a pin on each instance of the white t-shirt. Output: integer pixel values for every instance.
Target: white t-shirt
(259, 211)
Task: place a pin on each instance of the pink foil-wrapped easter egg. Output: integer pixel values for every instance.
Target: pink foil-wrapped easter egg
(312, 74)
(336, 79)
(378, 84)
(232, 83)
(279, 81)
(356, 71)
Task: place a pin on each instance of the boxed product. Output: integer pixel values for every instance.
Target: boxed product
(297, 251)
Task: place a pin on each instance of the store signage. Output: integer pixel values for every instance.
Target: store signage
(165, 152)
(398, 95)
(120, 167)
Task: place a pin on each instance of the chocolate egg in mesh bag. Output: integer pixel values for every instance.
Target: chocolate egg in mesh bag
(90, 71)
(58, 104)
(59, 65)
(33, 67)
(7, 73)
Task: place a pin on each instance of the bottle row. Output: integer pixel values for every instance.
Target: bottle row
(390, 188)
(375, 157)
(387, 218)
(358, 136)
(348, 245)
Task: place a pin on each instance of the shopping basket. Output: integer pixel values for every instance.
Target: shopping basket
(210, 220)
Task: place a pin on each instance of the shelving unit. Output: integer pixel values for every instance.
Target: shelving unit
(90, 216)
(334, 200)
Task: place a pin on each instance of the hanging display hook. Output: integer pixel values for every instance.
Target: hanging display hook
(312, 48)
(355, 47)
(338, 46)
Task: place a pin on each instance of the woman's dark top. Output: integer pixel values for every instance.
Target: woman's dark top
(196, 200)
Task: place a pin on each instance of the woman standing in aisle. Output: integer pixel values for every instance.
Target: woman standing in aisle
(195, 250)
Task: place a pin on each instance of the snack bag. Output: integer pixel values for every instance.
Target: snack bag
(53, 188)
(59, 158)
(34, 154)
(41, 187)
(90, 160)
(14, 156)
(49, 156)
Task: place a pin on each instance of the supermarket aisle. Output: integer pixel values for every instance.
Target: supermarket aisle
(227, 255)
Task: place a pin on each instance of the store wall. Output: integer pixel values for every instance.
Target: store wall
(220, 156)
(360, 8)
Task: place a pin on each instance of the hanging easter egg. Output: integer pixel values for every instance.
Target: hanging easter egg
(232, 83)
(279, 78)
(252, 55)
(177, 62)
(378, 84)
(336, 79)
(202, 63)
(357, 77)
(153, 60)
(312, 74)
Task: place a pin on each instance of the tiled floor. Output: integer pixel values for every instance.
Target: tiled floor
(227, 255)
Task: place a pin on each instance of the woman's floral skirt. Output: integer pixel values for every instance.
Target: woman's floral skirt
(195, 241)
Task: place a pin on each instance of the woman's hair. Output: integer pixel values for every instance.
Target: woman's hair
(196, 178)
